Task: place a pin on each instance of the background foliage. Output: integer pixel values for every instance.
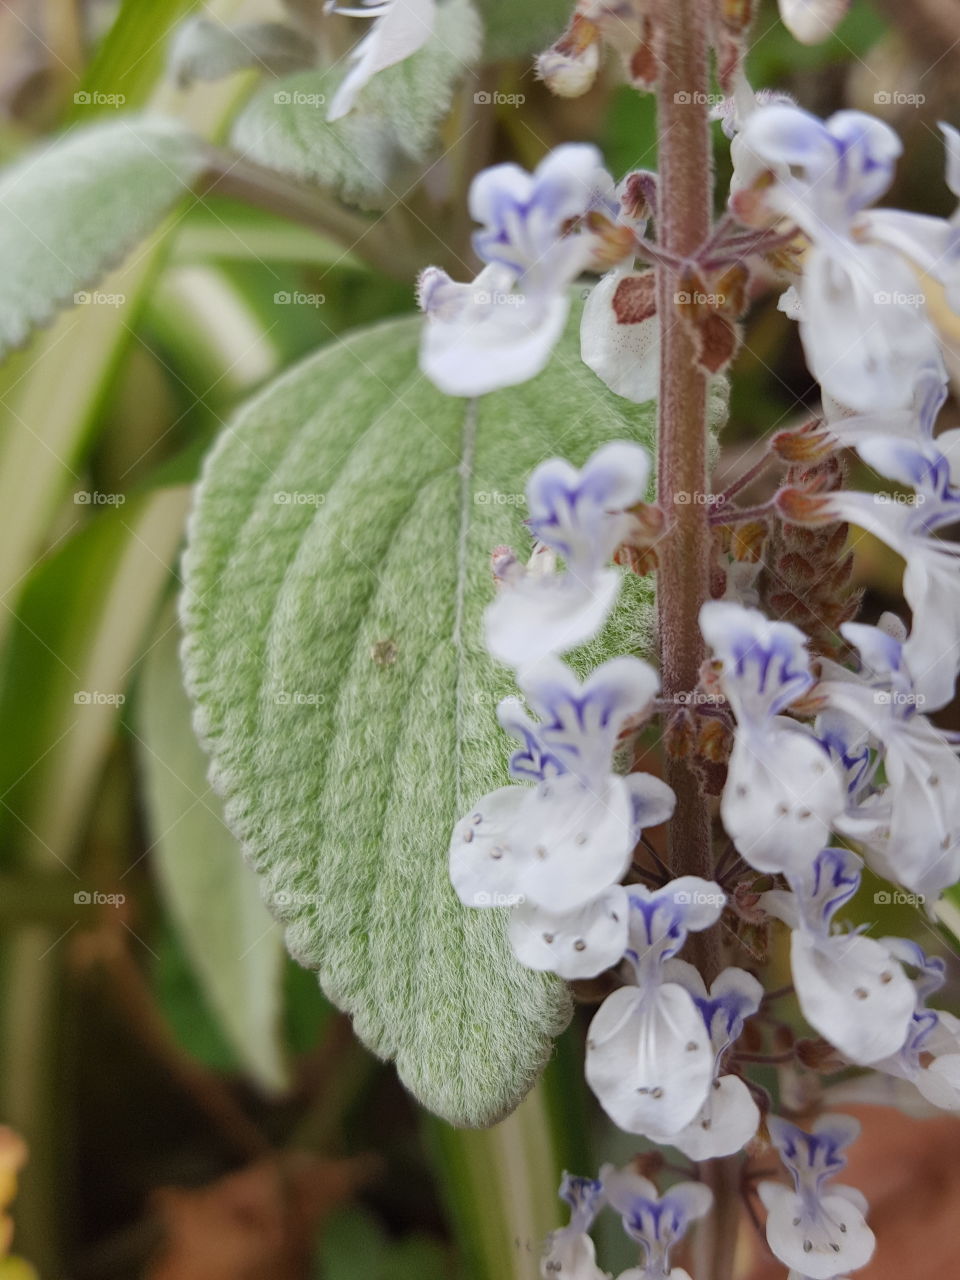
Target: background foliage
(192, 1104)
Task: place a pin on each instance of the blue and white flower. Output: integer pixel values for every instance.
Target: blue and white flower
(500, 330)
(863, 319)
(931, 579)
(729, 1117)
(656, 1222)
(400, 28)
(650, 1059)
(930, 1057)
(555, 850)
(817, 1229)
(909, 829)
(783, 790)
(851, 989)
(569, 1253)
(581, 516)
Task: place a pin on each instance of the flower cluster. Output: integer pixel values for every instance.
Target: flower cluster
(817, 741)
(654, 1222)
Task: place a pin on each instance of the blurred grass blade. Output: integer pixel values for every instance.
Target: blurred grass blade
(234, 946)
(501, 1188)
(131, 56)
(76, 639)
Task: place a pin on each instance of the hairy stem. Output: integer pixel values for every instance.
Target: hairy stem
(684, 221)
(685, 187)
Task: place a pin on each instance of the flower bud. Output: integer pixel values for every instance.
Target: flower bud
(569, 67)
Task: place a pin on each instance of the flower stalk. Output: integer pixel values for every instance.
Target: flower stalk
(683, 555)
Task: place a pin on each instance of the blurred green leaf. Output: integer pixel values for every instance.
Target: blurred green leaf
(349, 736)
(204, 49)
(355, 1245)
(512, 30)
(397, 115)
(212, 896)
(229, 230)
(72, 210)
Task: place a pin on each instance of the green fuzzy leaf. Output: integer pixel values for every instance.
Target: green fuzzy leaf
(229, 936)
(515, 30)
(396, 117)
(337, 572)
(73, 210)
(203, 49)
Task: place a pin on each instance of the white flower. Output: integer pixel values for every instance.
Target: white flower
(862, 315)
(811, 21)
(931, 580)
(569, 1253)
(581, 516)
(650, 1060)
(554, 851)
(930, 1058)
(850, 988)
(817, 1230)
(500, 329)
(620, 334)
(729, 1117)
(783, 791)
(656, 1222)
(574, 944)
(909, 828)
(401, 28)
